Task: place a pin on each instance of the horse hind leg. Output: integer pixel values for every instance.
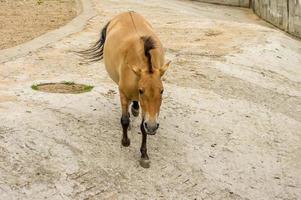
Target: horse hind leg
(135, 109)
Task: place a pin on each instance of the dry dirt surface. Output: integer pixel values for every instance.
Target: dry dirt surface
(23, 20)
(230, 123)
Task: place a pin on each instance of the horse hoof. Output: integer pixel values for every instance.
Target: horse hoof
(125, 142)
(144, 163)
(135, 112)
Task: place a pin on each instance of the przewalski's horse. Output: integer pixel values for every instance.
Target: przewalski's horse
(134, 58)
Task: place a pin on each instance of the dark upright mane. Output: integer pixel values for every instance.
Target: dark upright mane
(149, 44)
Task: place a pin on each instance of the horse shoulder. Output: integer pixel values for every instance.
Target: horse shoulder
(128, 82)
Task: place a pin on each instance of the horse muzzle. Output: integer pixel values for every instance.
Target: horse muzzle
(150, 128)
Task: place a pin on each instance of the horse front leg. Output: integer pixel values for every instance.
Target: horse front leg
(144, 161)
(125, 119)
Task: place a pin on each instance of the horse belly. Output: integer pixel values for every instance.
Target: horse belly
(112, 71)
(112, 60)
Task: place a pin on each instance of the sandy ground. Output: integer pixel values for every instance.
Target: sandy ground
(23, 20)
(230, 121)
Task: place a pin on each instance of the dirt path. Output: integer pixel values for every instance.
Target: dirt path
(23, 20)
(230, 122)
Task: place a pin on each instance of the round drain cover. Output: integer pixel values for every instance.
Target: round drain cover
(64, 87)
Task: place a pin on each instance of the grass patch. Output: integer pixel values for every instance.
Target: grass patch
(39, 2)
(35, 87)
(88, 88)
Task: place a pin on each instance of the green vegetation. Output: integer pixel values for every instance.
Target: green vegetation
(88, 88)
(34, 87)
(39, 2)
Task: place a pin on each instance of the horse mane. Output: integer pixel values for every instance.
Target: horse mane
(149, 44)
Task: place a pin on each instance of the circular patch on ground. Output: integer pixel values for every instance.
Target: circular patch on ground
(64, 87)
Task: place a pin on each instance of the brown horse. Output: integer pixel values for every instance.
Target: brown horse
(134, 59)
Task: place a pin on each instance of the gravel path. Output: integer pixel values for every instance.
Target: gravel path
(230, 121)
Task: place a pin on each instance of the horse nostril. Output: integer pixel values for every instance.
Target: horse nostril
(145, 125)
(158, 125)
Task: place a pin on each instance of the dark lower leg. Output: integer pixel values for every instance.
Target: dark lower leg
(143, 148)
(125, 122)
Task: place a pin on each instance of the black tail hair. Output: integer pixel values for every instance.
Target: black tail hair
(95, 52)
(149, 44)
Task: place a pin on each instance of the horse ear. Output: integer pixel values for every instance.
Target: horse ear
(136, 70)
(164, 68)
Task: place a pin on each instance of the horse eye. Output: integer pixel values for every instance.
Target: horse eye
(162, 91)
(140, 91)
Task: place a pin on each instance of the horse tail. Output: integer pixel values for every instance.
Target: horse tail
(95, 52)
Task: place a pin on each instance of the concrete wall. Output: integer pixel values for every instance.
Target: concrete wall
(274, 11)
(294, 22)
(285, 14)
(243, 3)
